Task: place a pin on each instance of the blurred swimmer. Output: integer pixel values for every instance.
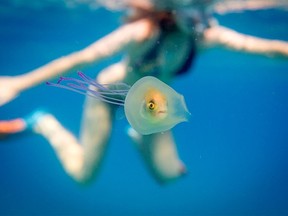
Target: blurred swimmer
(156, 33)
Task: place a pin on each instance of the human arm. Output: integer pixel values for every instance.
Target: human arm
(232, 6)
(107, 46)
(228, 38)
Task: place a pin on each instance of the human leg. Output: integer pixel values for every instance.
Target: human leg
(18, 125)
(160, 154)
(82, 161)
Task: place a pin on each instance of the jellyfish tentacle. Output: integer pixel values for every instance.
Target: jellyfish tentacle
(99, 94)
(84, 90)
(66, 87)
(85, 82)
(103, 87)
(119, 84)
(91, 94)
(109, 93)
(107, 87)
(90, 81)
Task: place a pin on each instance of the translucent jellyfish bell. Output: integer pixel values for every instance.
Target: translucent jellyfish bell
(150, 105)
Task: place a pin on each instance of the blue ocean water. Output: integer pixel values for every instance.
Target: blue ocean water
(235, 146)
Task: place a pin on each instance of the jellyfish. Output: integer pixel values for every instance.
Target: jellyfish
(150, 105)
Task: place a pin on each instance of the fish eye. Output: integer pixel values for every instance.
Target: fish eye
(151, 105)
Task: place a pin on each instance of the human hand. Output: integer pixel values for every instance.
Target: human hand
(8, 89)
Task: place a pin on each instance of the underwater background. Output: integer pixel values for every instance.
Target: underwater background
(235, 146)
